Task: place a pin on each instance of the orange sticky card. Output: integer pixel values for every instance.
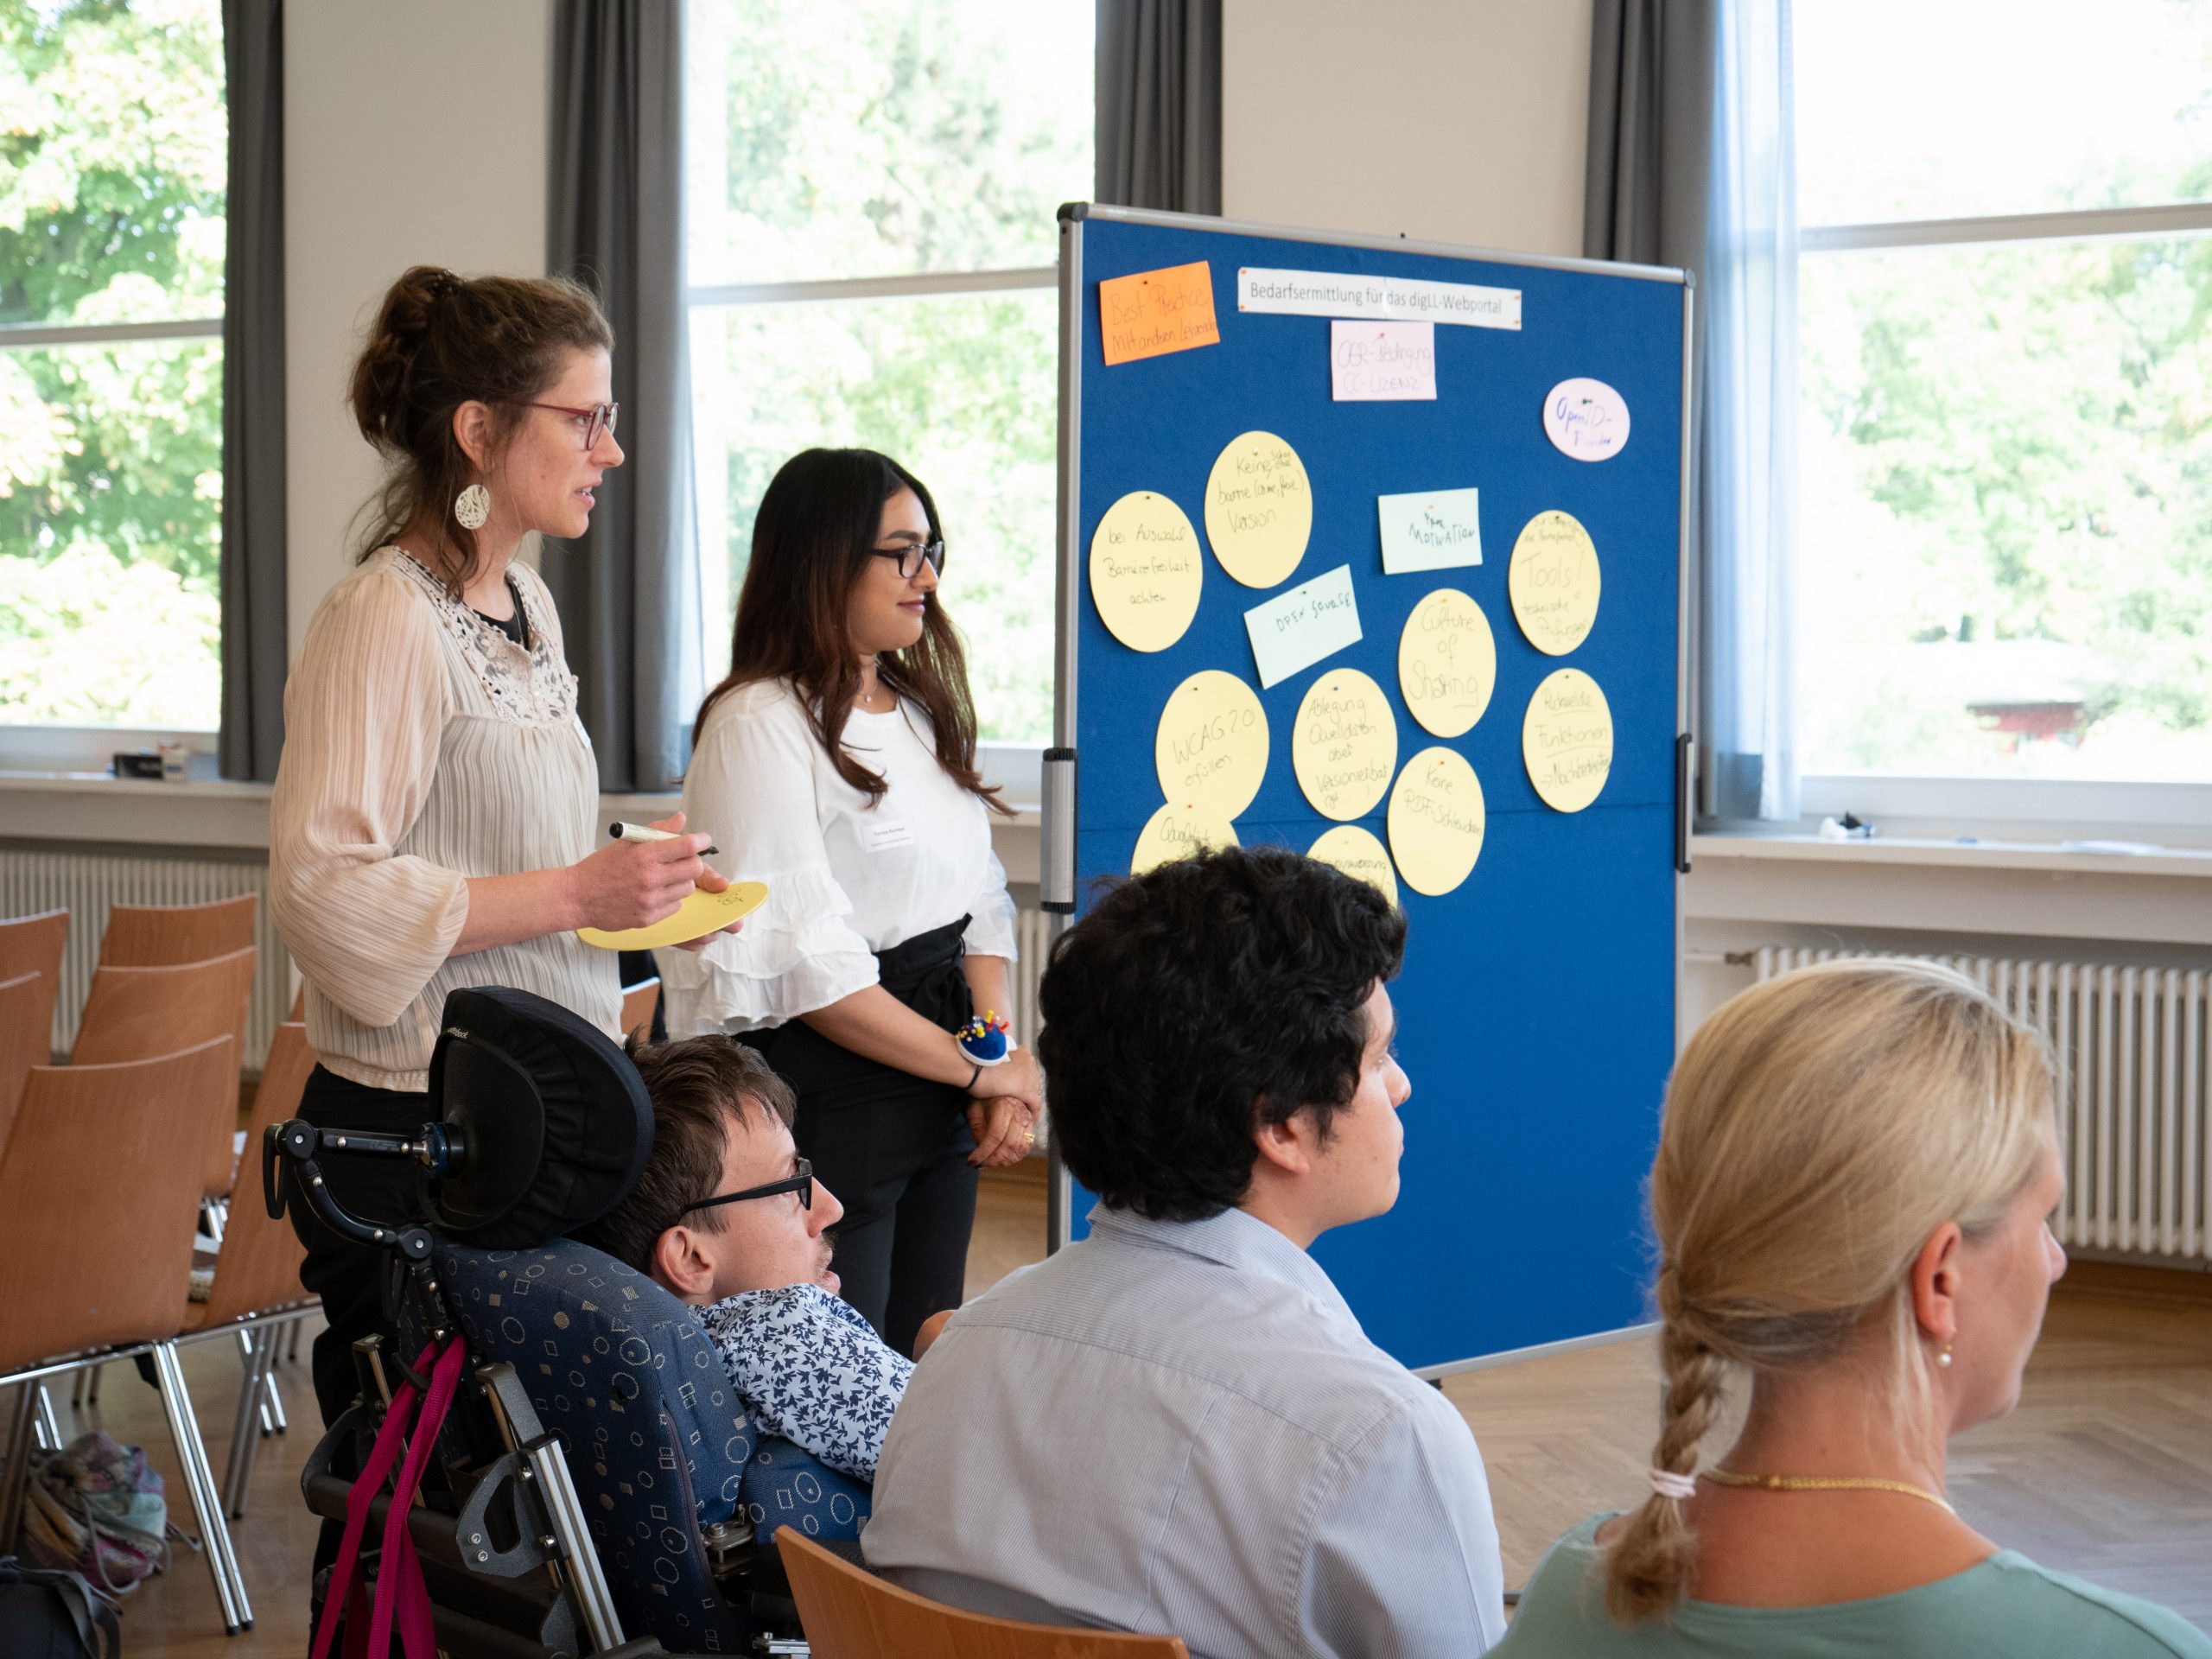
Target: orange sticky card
(1155, 312)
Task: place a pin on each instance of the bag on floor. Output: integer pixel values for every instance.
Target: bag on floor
(95, 1508)
(49, 1614)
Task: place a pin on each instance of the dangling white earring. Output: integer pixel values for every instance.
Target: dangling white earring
(1944, 1359)
(472, 506)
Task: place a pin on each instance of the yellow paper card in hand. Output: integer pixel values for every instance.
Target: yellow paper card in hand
(702, 913)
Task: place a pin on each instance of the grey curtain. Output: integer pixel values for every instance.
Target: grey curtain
(1159, 104)
(255, 654)
(1692, 162)
(628, 590)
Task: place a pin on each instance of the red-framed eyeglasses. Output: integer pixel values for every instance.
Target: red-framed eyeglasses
(598, 418)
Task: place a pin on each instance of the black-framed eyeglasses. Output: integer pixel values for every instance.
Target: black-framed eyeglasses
(801, 1182)
(912, 557)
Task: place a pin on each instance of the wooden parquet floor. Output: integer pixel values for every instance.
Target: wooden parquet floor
(2105, 1469)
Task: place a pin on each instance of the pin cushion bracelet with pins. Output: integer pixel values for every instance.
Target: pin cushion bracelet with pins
(984, 1041)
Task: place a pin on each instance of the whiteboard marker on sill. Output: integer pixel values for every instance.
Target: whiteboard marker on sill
(620, 831)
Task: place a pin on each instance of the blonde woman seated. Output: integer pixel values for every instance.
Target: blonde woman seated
(1849, 1201)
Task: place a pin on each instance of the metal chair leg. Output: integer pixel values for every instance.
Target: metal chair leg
(245, 1444)
(77, 1392)
(292, 1352)
(200, 1481)
(49, 1429)
(92, 1387)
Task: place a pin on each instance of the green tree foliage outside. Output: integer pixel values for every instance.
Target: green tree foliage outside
(2008, 504)
(891, 137)
(112, 157)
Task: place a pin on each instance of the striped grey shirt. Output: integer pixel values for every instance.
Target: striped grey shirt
(1179, 1428)
(423, 746)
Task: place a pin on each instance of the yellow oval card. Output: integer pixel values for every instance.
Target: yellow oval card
(1436, 821)
(1211, 749)
(1144, 571)
(1553, 583)
(1345, 746)
(1355, 852)
(1176, 832)
(1258, 509)
(1448, 663)
(702, 913)
(1567, 740)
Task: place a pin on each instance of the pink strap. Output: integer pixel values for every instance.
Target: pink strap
(345, 1574)
(400, 1589)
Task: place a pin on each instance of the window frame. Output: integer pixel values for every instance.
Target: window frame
(2126, 803)
(39, 745)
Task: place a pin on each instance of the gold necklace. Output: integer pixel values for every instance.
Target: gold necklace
(1824, 1483)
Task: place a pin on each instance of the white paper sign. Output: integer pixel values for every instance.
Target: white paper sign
(1335, 294)
(1436, 531)
(1586, 419)
(1381, 362)
(1297, 629)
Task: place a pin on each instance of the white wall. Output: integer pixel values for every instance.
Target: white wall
(1445, 120)
(414, 133)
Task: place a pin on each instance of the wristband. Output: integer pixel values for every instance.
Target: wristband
(968, 1088)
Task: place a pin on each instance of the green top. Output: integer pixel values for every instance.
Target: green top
(2006, 1606)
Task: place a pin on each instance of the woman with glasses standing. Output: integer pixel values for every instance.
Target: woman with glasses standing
(837, 763)
(435, 821)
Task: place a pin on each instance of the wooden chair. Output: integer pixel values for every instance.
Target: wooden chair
(131, 1014)
(98, 1187)
(34, 944)
(161, 935)
(257, 1290)
(26, 1023)
(638, 1002)
(849, 1613)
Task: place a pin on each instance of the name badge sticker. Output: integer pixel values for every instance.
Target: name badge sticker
(884, 833)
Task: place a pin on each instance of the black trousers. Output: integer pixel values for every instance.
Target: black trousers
(349, 1277)
(891, 1146)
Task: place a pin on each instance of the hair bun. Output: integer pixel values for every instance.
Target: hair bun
(440, 283)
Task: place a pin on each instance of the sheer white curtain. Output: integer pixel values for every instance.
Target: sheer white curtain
(1748, 483)
(1692, 162)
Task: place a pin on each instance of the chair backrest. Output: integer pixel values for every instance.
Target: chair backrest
(639, 1002)
(656, 1433)
(849, 1613)
(100, 1183)
(34, 944)
(131, 1014)
(26, 1015)
(258, 1267)
(161, 935)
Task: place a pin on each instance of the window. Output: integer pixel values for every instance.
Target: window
(871, 206)
(2006, 316)
(112, 162)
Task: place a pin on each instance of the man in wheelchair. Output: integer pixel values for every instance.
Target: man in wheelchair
(729, 1219)
(582, 1464)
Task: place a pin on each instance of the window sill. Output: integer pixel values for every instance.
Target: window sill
(1983, 854)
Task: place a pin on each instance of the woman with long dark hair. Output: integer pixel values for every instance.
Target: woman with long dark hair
(837, 763)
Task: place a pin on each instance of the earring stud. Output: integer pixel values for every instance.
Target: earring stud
(472, 506)
(1944, 1359)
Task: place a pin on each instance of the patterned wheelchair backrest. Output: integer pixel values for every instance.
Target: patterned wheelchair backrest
(658, 1442)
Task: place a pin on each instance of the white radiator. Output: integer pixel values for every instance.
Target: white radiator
(86, 883)
(1034, 932)
(2134, 1109)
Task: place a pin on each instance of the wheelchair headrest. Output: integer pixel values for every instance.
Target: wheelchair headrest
(553, 1121)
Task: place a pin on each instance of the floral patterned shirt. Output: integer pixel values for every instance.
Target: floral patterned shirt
(811, 1369)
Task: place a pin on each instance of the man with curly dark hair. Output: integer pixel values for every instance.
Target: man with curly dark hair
(1176, 1425)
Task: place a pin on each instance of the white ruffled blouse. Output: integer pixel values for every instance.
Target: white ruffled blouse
(844, 880)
